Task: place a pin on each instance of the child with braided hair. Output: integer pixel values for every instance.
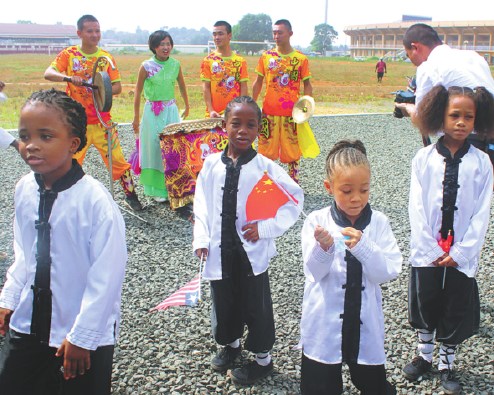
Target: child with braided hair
(348, 250)
(60, 305)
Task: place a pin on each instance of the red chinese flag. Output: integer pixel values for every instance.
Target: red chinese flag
(265, 199)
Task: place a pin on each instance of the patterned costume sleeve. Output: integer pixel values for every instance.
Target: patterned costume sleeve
(113, 73)
(304, 70)
(244, 74)
(61, 62)
(260, 66)
(205, 70)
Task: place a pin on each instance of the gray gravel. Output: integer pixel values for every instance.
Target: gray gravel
(169, 352)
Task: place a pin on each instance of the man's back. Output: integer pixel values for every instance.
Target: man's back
(453, 67)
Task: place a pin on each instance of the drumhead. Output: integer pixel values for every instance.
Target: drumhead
(103, 94)
(192, 126)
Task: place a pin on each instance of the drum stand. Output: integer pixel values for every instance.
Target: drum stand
(102, 102)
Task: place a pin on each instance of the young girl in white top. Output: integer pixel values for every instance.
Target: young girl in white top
(449, 208)
(348, 250)
(60, 305)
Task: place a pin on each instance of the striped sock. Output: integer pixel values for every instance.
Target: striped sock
(426, 344)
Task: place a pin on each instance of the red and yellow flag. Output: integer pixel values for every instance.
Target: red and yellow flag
(265, 199)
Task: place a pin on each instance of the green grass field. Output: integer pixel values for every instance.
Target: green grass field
(341, 85)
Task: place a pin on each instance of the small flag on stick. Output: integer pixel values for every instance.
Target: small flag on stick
(265, 199)
(188, 295)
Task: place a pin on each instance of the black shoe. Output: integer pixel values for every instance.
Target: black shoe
(416, 369)
(133, 202)
(225, 358)
(251, 373)
(186, 212)
(449, 382)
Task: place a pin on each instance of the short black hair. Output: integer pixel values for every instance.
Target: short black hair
(83, 19)
(284, 22)
(224, 23)
(243, 100)
(421, 33)
(73, 111)
(156, 38)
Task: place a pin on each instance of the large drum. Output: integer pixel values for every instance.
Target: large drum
(184, 147)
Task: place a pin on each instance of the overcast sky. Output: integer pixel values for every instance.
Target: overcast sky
(303, 14)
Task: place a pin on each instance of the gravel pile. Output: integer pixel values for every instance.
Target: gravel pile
(169, 352)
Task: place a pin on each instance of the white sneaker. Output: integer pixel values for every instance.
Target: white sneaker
(159, 199)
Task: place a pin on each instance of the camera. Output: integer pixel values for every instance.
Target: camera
(402, 97)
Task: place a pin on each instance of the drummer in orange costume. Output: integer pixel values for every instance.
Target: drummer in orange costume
(77, 62)
(284, 68)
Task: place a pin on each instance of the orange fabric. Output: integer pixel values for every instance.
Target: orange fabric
(96, 135)
(225, 75)
(283, 74)
(278, 139)
(72, 61)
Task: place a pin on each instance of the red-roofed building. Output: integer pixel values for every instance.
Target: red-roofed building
(35, 38)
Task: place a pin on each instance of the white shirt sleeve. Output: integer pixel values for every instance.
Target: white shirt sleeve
(104, 281)
(465, 251)
(201, 230)
(5, 139)
(317, 262)
(421, 231)
(381, 259)
(16, 274)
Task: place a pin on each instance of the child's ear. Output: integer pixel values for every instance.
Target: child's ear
(327, 185)
(223, 124)
(74, 144)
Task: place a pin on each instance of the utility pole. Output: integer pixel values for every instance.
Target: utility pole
(326, 13)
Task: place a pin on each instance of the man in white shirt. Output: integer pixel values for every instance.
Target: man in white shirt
(439, 64)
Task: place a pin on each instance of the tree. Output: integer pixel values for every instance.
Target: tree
(324, 35)
(252, 27)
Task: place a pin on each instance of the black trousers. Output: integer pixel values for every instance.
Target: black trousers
(243, 300)
(28, 367)
(453, 312)
(325, 379)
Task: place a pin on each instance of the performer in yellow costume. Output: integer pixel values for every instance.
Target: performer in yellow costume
(284, 69)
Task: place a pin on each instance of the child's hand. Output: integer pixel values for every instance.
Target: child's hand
(202, 251)
(436, 262)
(250, 232)
(354, 236)
(4, 320)
(76, 360)
(323, 237)
(446, 261)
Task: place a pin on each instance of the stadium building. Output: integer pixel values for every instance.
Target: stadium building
(18, 38)
(386, 39)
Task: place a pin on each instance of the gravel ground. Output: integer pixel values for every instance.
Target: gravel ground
(170, 352)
